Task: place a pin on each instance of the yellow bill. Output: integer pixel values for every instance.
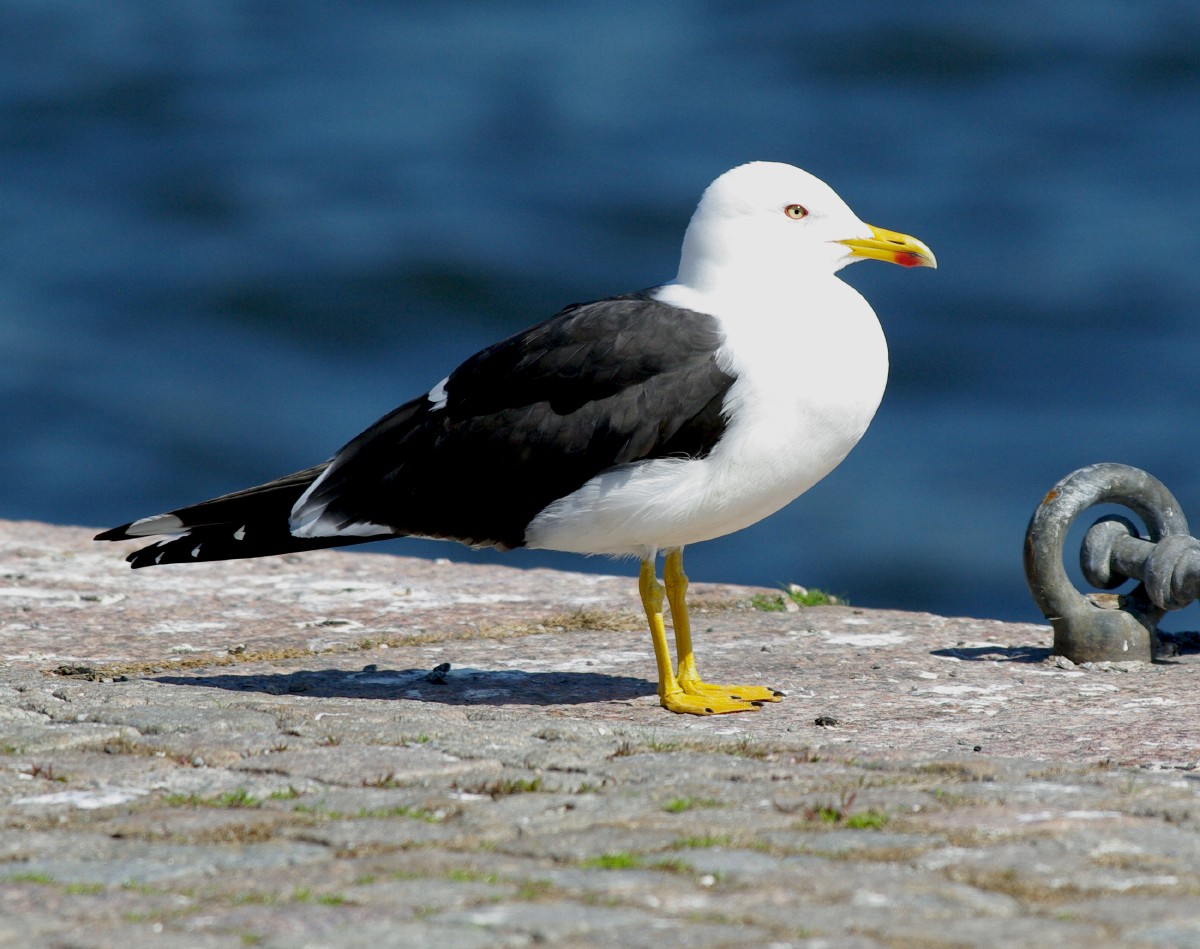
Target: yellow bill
(892, 246)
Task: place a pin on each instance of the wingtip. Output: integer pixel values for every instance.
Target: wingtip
(144, 527)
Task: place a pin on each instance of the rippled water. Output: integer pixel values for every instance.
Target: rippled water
(233, 234)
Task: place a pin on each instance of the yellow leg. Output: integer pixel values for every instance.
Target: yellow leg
(652, 600)
(689, 679)
(670, 694)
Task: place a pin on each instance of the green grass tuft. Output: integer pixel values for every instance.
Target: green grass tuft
(801, 596)
(459, 875)
(613, 861)
(840, 813)
(255, 899)
(680, 804)
(530, 890)
(84, 888)
(703, 842)
(814, 597)
(768, 603)
(41, 878)
(867, 820)
(402, 810)
(673, 865)
(237, 798)
(503, 787)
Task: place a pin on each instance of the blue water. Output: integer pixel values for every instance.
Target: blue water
(232, 234)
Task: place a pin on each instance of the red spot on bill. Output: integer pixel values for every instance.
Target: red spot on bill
(908, 259)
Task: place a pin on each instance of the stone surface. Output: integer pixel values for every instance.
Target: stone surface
(266, 753)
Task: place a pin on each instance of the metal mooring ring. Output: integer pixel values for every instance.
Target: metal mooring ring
(1084, 631)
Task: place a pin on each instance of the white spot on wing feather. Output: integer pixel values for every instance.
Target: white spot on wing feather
(308, 521)
(155, 524)
(320, 527)
(438, 395)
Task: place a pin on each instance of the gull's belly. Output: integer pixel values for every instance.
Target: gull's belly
(791, 422)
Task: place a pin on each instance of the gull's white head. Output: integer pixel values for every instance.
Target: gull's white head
(771, 223)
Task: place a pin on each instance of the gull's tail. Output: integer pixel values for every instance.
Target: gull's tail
(254, 522)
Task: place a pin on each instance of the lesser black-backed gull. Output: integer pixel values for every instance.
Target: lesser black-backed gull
(628, 426)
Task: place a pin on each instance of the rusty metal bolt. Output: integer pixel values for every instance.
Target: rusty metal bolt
(1167, 563)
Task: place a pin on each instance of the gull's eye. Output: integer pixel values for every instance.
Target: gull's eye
(796, 211)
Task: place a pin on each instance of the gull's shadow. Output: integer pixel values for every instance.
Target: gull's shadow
(1031, 654)
(453, 687)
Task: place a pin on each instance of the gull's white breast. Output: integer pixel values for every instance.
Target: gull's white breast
(808, 379)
